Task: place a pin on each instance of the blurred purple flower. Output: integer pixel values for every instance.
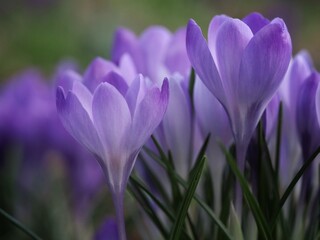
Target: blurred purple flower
(42, 138)
(156, 54)
(242, 65)
(112, 119)
(308, 127)
(108, 230)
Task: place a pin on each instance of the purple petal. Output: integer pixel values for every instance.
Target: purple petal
(96, 71)
(117, 81)
(177, 125)
(318, 104)
(127, 68)
(176, 56)
(201, 60)
(112, 119)
(126, 42)
(77, 121)
(149, 114)
(84, 96)
(153, 45)
(264, 63)
(66, 79)
(255, 21)
(231, 40)
(135, 93)
(214, 25)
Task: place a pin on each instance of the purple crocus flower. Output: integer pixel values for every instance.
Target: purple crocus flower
(242, 65)
(308, 126)
(112, 119)
(157, 53)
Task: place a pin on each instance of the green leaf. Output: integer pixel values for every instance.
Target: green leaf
(183, 210)
(235, 225)
(19, 225)
(249, 197)
(201, 203)
(292, 184)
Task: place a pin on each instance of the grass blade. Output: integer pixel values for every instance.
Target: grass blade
(183, 210)
(19, 225)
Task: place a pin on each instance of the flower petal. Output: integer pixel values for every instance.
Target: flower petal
(201, 60)
(264, 63)
(117, 81)
(255, 21)
(214, 25)
(84, 96)
(112, 119)
(177, 125)
(77, 121)
(231, 39)
(149, 114)
(153, 45)
(126, 42)
(176, 55)
(96, 71)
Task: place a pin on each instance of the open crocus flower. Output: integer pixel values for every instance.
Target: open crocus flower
(113, 121)
(242, 64)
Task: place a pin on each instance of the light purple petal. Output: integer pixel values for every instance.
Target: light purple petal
(84, 96)
(126, 42)
(201, 60)
(135, 93)
(176, 56)
(318, 104)
(77, 121)
(255, 21)
(177, 125)
(153, 45)
(214, 25)
(117, 81)
(96, 71)
(149, 114)
(127, 68)
(231, 40)
(264, 63)
(112, 119)
(211, 115)
(65, 79)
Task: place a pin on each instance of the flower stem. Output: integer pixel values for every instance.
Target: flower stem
(118, 199)
(241, 150)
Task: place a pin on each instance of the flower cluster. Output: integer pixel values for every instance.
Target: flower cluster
(166, 102)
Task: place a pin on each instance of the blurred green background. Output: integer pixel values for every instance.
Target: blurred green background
(40, 33)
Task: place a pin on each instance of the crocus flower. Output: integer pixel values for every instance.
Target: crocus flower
(157, 53)
(42, 139)
(308, 126)
(112, 119)
(242, 65)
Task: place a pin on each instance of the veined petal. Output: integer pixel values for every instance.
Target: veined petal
(201, 60)
(149, 114)
(153, 44)
(125, 42)
(177, 125)
(135, 93)
(231, 40)
(264, 63)
(255, 21)
(77, 121)
(176, 55)
(117, 81)
(111, 117)
(96, 71)
(214, 25)
(84, 96)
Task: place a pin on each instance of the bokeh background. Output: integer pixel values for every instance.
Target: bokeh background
(43, 32)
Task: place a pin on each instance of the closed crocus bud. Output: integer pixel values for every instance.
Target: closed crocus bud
(308, 126)
(112, 121)
(242, 64)
(213, 120)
